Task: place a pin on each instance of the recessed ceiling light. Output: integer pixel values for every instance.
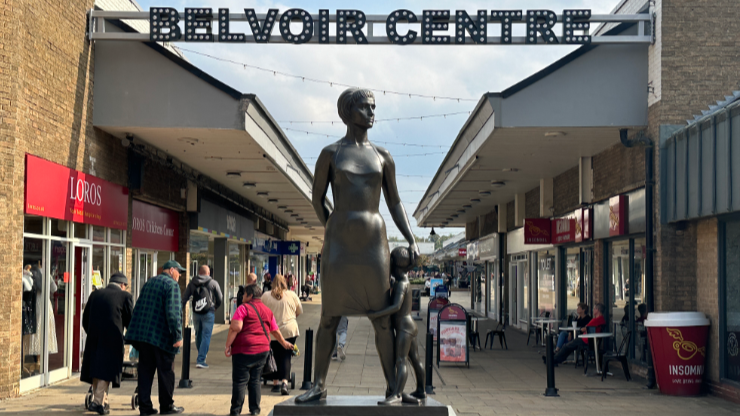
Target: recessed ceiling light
(282, 207)
(509, 170)
(263, 194)
(484, 193)
(466, 206)
(293, 215)
(474, 200)
(272, 201)
(497, 184)
(249, 185)
(449, 219)
(555, 134)
(233, 174)
(460, 211)
(304, 222)
(288, 211)
(453, 215)
(299, 219)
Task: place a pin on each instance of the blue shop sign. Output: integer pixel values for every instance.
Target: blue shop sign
(276, 247)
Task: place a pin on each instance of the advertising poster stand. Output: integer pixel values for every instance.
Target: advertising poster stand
(435, 305)
(452, 330)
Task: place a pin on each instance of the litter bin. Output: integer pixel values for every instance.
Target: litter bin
(678, 341)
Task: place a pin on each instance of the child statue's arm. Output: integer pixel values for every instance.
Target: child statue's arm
(399, 292)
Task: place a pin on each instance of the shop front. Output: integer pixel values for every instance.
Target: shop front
(265, 256)
(155, 236)
(532, 271)
(488, 251)
(220, 238)
(620, 223)
(73, 240)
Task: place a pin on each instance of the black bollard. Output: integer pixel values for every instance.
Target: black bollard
(428, 364)
(551, 391)
(307, 358)
(185, 382)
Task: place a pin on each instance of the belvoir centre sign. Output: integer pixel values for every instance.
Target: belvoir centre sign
(400, 27)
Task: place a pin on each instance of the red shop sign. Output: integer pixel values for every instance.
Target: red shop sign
(618, 215)
(537, 231)
(588, 217)
(59, 192)
(462, 252)
(579, 225)
(453, 313)
(563, 230)
(154, 228)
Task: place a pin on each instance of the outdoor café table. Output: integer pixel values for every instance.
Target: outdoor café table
(596, 351)
(547, 322)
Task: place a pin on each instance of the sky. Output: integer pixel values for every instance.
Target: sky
(465, 72)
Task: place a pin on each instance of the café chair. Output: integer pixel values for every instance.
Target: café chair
(534, 328)
(586, 351)
(620, 355)
(500, 330)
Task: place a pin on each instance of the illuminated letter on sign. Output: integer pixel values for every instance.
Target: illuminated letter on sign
(306, 20)
(391, 27)
(163, 24)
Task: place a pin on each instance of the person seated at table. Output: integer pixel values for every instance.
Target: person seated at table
(583, 319)
(642, 310)
(598, 322)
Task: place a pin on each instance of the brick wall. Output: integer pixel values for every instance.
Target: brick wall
(490, 223)
(472, 230)
(532, 203)
(510, 216)
(565, 191)
(707, 285)
(617, 170)
(45, 109)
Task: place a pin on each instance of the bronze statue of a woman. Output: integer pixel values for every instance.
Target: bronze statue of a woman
(355, 261)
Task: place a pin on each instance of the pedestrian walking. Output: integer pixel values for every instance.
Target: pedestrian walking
(267, 283)
(248, 345)
(339, 354)
(156, 332)
(207, 298)
(285, 306)
(107, 312)
(251, 279)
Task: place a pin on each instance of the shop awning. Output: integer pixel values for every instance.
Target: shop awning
(145, 90)
(537, 129)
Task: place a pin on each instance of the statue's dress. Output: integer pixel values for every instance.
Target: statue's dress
(355, 261)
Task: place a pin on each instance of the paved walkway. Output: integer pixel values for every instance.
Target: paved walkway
(497, 382)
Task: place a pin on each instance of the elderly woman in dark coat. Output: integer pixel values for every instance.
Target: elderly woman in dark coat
(107, 313)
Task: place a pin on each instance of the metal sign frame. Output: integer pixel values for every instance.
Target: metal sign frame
(354, 27)
(464, 322)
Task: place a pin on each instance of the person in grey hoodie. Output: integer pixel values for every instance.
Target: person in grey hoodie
(207, 298)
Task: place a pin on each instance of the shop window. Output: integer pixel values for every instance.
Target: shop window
(99, 277)
(637, 289)
(80, 231)
(546, 282)
(33, 307)
(59, 228)
(236, 269)
(33, 224)
(573, 280)
(201, 252)
(619, 292)
(116, 260)
(59, 293)
(116, 236)
(731, 312)
(98, 233)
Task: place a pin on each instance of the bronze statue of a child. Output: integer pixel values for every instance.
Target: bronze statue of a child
(406, 331)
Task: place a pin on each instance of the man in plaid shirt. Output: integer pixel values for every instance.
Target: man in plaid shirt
(156, 332)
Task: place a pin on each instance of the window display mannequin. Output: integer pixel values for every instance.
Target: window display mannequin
(28, 325)
(36, 343)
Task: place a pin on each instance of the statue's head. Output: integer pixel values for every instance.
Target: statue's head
(357, 106)
(400, 259)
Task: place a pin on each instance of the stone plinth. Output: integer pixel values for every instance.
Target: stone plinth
(359, 406)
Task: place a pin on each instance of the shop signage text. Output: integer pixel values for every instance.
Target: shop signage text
(216, 219)
(563, 230)
(59, 192)
(618, 215)
(583, 224)
(298, 26)
(154, 228)
(537, 231)
(462, 252)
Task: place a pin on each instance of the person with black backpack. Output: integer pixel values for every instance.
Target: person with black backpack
(207, 298)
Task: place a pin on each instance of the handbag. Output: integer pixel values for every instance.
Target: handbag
(270, 365)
